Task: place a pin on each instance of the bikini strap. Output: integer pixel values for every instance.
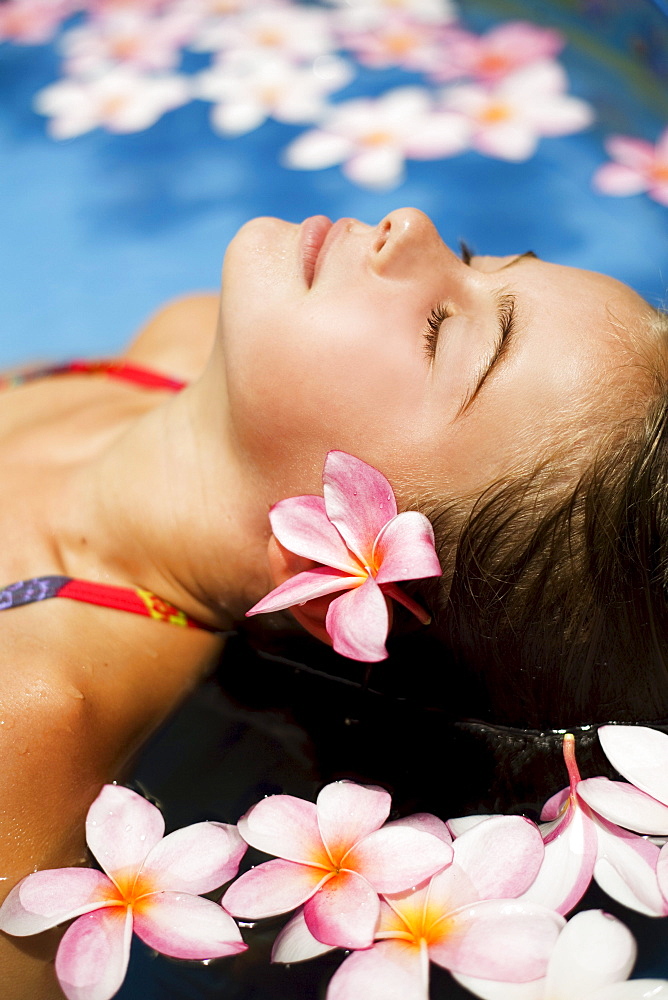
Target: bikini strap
(136, 600)
(124, 371)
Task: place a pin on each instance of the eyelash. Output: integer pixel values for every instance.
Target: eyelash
(441, 311)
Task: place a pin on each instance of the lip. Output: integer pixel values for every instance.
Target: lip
(313, 234)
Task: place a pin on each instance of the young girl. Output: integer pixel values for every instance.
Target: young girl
(508, 398)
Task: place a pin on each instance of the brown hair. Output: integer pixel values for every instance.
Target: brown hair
(556, 600)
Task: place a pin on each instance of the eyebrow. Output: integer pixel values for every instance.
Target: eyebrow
(506, 311)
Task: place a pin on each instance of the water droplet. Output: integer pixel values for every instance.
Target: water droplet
(92, 822)
(143, 836)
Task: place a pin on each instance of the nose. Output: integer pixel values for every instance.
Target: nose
(406, 242)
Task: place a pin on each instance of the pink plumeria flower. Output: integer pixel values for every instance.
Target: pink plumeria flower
(373, 137)
(365, 15)
(33, 22)
(247, 88)
(639, 166)
(466, 919)
(508, 118)
(334, 858)
(581, 844)
(492, 56)
(150, 884)
(121, 100)
(592, 960)
(299, 33)
(363, 546)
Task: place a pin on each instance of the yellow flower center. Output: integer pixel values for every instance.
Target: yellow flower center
(494, 113)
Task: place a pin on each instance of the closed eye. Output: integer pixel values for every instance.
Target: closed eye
(506, 313)
(441, 311)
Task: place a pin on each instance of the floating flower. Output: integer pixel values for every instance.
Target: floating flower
(365, 15)
(127, 37)
(251, 87)
(593, 956)
(297, 33)
(581, 844)
(639, 166)
(490, 57)
(466, 919)
(150, 884)
(121, 101)
(398, 40)
(508, 118)
(363, 545)
(334, 858)
(33, 22)
(372, 138)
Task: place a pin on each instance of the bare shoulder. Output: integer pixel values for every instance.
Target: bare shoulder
(179, 337)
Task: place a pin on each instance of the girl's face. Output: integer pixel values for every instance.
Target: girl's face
(382, 342)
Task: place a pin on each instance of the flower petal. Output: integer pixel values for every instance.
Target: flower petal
(616, 179)
(359, 501)
(271, 888)
(186, 926)
(637, 989)
(343, 912)
(593, 950)
(347, 812)
(501, 856)
(48, 898)
(121, 828)
(391, 970)
(638, 154)
(568, 865)
(301, 525)
(425, 822)
(305, 587)
(358, 623)
(93, 956)
(286, 826)
(295, 943)
(490, 990)
(502, 939)
(404, 549)
(640, 754)
(626, 869)
(396, 858)
(196, 859)
(625, 805)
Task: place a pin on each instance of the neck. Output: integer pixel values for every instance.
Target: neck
(165, 507)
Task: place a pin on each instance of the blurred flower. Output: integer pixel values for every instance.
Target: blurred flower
(127, 37)
(364, 15)
(150, 884)
(398, 40)
(488, 58)
(639, 166)
(334, 857)
(295, 32)
(121, 100)
(247, 88)
(373, 137)
(594, 953)
(508, 118)
(363, 546)
(33, 22)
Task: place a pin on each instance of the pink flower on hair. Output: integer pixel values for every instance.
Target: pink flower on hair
(334, 858)
(639, 166)
(149, 885)
(465, 919)
(363, 547)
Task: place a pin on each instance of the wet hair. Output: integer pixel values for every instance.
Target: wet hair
(556, 600)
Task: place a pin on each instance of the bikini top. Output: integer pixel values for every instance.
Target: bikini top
(136, 600)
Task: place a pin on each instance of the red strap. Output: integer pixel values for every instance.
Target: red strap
(135, 600)
(125, 371)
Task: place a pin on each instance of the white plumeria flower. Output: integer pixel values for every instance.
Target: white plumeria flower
(299, 33)
(121, 101)
(592, 960)
(248, 88)
(508, 118)
(373, 137)
(361, 14)
(129, 37)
